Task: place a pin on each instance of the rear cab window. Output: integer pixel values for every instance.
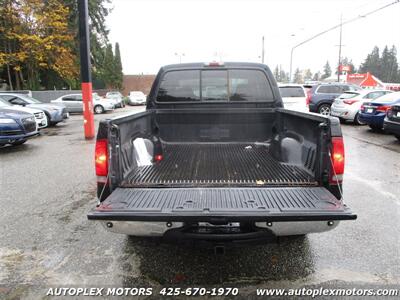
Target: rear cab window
(214, 85)
(291, 91)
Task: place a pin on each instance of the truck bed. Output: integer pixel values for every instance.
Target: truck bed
(216, 165)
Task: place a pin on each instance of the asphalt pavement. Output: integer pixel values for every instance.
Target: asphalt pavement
(48, 186)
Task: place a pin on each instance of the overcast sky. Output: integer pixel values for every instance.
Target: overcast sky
(150, 32)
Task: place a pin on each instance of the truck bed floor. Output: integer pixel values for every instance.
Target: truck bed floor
(218, 165)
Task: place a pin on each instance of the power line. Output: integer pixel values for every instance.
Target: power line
(334, 27)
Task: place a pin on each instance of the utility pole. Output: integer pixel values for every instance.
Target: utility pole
(86, 76)
(340, 48)
(262, 51)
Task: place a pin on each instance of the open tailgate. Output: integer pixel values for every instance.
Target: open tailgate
(222, 205)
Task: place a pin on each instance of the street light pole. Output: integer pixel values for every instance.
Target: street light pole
(86, 76)
(340, 48)
(262, 51)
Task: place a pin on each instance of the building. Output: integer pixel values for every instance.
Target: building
(369, 81)
(137, 83)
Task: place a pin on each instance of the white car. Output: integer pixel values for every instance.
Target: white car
(74, 103)
(294, 97)
(40, 116)
(347, 105)
(117, 98)
(137, 98)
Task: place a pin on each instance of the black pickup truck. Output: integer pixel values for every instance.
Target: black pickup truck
(215, 157)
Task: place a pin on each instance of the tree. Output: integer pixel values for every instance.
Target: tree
(298, 77)
(372, 63)
(277, 74)
(317, 76)
(307, 74)
(118, 67)
(327, 71)
(34, 38)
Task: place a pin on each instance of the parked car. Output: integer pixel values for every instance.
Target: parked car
(16, 127)
(391, 122)
(294, 97)
(74, 103)
(373, 113)
(40, 117)
(54, 113)
(322, 96)
(118, 98)
(348, 104)
(99, 99)
(192, 165)
(137, 98)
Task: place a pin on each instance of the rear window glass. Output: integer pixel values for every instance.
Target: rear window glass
(389, 98)
(214, 85)
(178, 86)
(348, 95)
(249, 85)
(329, 89)
(291, 91)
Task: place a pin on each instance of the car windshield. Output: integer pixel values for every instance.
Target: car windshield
(29, 99)
(348, 95)
(391, 97)
(291, 91)
(4, 103)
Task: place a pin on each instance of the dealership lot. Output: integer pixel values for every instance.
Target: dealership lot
(48, 186)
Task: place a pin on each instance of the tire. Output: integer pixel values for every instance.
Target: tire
(357, 120)
(18, 143)
(397, 137)
(98, 109)
(324, 109)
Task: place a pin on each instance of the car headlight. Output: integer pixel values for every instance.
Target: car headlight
(7, 121)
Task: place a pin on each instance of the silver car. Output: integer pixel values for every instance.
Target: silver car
(348, 104)
(74, 103)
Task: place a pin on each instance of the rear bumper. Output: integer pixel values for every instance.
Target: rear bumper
(391, 126)
(343, 112)
(160, 229)
(374, 120)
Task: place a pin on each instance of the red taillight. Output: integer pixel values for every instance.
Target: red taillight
(337, 156)
(308, 98)
(101, 157)
(383, 108)
(158, 158)
(350, 102)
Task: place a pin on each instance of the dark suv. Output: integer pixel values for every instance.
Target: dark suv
(321, 96)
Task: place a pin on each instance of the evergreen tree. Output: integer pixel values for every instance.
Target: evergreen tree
(298, 77)
(327, 71)
(372, 63)
(118, 67)
(317, 76)
(307, 75)
(277, 74)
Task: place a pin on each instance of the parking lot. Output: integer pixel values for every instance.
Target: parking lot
(48, 186)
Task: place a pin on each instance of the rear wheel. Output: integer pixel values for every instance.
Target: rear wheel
(98, 109)
(357, 120)
(324, 109)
